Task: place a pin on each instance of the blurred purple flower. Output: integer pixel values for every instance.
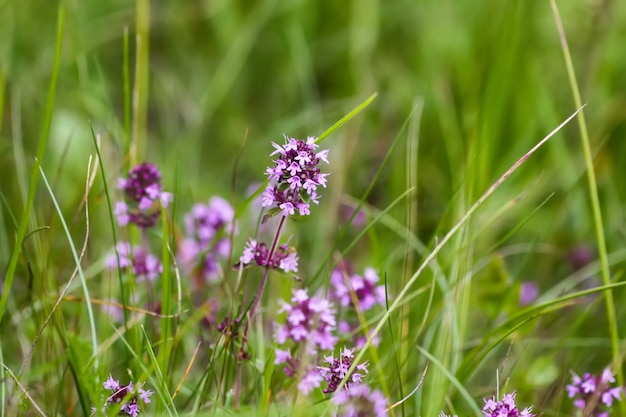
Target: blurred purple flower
(114, 310)
(298, 367)
(310, 321)
(594, 391)
(142, 264)
(505, 408)
(528, 292)
(205, 220)
(130, 395)
(284, 258)
(363, 288)
(337, 370)
(308, 328)
(142, 190)
(309, 381)
(295, 177)
(206, 239)
(360, 401)
(346, 211)
(580, 256)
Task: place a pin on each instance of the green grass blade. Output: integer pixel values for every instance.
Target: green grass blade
(457, 384)
(500, 333)
(3, 379)
(3, 79)
(165, 351)
(595, 203)
(358, 109)
(112, 220)
(142, 75)
(165, 396)
(34, 178)
(83, 281)
(371, 224)
(163, 388)
(127, 109)
(367, 192)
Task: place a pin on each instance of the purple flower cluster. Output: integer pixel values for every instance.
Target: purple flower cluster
(130, 395)
(505, 408)
(528, 293)
(144, 196)
(143, 265)
(295, 177)
(206, 239)
(346, 211)
(114, 310)
(308, 327)
(296, 366)
(310, 320)
(356, 293)
(592, 393)
(349, 288)
(337, 370)
(284, 258)
(360, 401)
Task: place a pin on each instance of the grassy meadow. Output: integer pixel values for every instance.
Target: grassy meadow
(446, 260)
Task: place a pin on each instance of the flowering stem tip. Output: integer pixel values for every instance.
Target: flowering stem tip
(294, 177)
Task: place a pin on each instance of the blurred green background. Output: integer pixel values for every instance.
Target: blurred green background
(489, 79)
(483, 81)
(490, 74)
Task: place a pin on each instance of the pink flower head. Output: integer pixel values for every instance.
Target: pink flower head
(359, 401)
(294, 177)
(348, 288)
(309, 319)
(308, 327)
(131, 396)
(589, 388)
(144, 197)
(142, 264)
(207, 240)
(337, 370)
(528, 293)
(284, 258)
(505, 408)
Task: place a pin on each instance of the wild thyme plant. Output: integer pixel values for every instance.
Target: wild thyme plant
(206, 244)
(522, 277)
(293, 182)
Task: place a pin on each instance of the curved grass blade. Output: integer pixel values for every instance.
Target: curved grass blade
(367, 192)
(83, 281)
(345, 118)
(595, 203)
(518, 320)
(457, 384)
